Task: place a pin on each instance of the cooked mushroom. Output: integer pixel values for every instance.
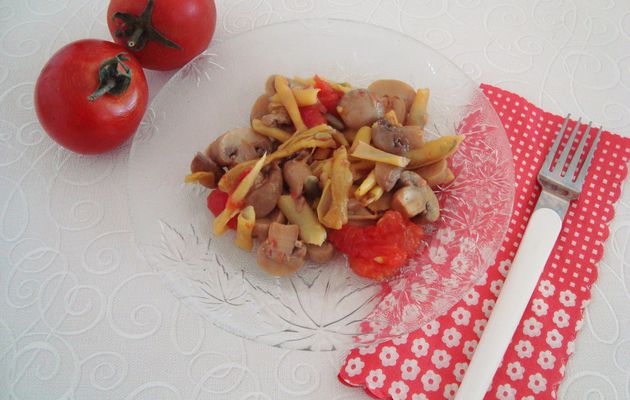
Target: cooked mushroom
(277, 117)
(266, 192)
(281, 254)
(396, 139)
(238, 145)
(261, 228)
(260, 108)
(359, 108)
(203, 163)
(394, 88)
(384, 203)
(396, 104)
(311, 187)
(410, 178)
(415, 198)
(295, 172)
(204, 171)
(320, 254)
(437, 173)
(358, 214)
(387, 175)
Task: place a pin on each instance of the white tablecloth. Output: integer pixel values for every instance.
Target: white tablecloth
(83, 317)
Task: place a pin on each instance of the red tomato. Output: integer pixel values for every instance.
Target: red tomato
(328, 96)
(163, 34)
(313, 115)
(217, 199)
(91, 96)
(378, 252)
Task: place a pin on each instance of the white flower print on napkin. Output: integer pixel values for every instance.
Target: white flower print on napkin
(375, 379)
(461, 316)
(532, 327)
(431, 328)
(419, 347)
(524, 349)
(451, 337)
(539, 307)
(459, 370)
(388, 356)
(469, 348)
(546, 359)
(515, 370)
(561, 318)
(441, 359)
(354, 366)
(472, 297)
(409, 369)
(546, 288)
(431, 381)
(567, 298)
(537, 383)
(554, 339)
(505, 392)
(450, 390)
(398, 390)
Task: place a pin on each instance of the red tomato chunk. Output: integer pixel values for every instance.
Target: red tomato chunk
(379, 251)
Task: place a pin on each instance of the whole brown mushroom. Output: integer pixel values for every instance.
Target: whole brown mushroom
(359, 108)
(415, 198)
(265, 193)
(281, 254)
(238, 145)
(396, 139)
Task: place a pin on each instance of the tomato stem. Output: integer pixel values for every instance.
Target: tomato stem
(139, 29)
(131, 43)
(114, 77)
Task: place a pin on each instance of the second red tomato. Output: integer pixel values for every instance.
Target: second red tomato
(162, 34)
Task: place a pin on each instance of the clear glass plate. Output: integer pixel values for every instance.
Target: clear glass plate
(321, 307)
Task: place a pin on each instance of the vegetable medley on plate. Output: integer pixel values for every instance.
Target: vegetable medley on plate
(327, 167)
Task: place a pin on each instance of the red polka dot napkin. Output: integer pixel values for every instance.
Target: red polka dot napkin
(430, 362)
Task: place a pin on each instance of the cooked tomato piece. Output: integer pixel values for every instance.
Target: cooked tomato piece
(313, 115)
(217, 199)
(378, 252)
(328, 96)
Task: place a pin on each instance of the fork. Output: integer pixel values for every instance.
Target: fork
(545, 223)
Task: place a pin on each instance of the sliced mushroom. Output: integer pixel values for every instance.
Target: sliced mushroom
(281, 254)
(396, 139)
(387, 175)
(266, 192)
(206, 171)
(203, 163)
(260, 108)
(409, 201)
(277, 117)
(295, 172)
(320, 254)
(238, 145)
(410, 178)
(311, 187)
(359, 108)
(415, 198)
(261, 227)
(384, 203)
(394, 88)
(437, 173)
(396, 104)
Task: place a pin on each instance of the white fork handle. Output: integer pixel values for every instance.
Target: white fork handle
(541, 234)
